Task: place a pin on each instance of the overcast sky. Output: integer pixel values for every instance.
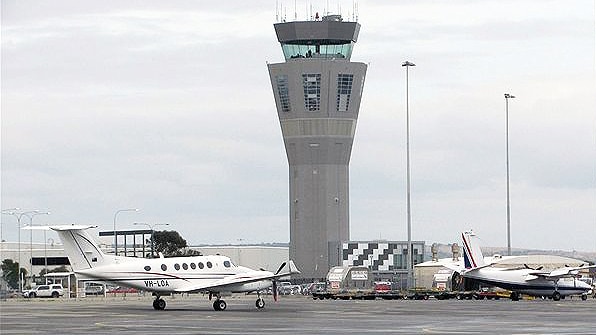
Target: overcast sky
(166, 106)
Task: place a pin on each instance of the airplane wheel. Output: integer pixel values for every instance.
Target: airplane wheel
(584, 296)
(219, 305)
(514, 296)
(260, 303)
(159, 304)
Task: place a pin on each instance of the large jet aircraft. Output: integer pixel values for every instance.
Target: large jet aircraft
(534, 282)
(215, 275)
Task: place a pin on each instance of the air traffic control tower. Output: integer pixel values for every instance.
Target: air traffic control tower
(317, 93)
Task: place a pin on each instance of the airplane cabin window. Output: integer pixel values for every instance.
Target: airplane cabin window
(185, 266)
(209, 265)
(201, 265)
(227, 264)
(147, 268)
(177, 266)
(193, 266)
(164, 267)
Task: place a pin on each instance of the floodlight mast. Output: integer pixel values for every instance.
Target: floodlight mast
(507, 97)
(407, 65)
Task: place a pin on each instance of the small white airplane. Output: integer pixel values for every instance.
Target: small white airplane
(534, 282)
(215, 275)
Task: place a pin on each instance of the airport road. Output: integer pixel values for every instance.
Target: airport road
(295, 315)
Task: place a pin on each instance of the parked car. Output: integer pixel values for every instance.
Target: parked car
(286, 288)
(54, 291)
(94, 289)
(122, 289)
(316, 287)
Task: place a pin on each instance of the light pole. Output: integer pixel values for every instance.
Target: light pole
(18, 214)
(116, 236)
(152, 227)
(407, 65)
(507, 97)
(30, 216)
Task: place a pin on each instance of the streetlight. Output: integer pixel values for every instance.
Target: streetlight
(6, 211)
(30, 216)
(116, 236)
(17, 214)
(151, 226)
(407, 65)
(507, 97)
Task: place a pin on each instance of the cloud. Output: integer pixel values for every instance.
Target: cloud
(168, 107)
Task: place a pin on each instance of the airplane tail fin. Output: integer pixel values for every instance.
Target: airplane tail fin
(81, 249)
(473, 257)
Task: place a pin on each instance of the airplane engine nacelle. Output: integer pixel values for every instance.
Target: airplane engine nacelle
(250, 287)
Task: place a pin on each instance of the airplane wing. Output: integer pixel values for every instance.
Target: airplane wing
(556, 274)
(457, 267)
(242, 278)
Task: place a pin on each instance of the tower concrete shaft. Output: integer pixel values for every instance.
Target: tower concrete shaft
(317, 93)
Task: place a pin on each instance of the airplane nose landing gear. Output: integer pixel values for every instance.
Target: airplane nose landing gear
(260, 303)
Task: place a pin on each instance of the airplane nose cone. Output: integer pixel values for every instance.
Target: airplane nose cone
(584, 285)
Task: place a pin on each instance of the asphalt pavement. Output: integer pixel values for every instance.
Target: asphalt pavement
(295, 315)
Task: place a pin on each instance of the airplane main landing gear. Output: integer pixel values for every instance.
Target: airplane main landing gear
(159, 304)
(219, 305)
(514, 296)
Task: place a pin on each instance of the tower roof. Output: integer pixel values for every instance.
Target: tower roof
(333, 31)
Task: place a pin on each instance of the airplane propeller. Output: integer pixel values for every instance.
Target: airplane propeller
(274, 288)
(280, 268)
(274, 282)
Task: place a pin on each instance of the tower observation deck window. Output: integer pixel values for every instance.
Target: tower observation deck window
(283, 91)
(318, 49)
(312, 91)
(344, 91)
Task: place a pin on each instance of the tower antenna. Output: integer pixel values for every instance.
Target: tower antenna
(295, 12)
(276, 10)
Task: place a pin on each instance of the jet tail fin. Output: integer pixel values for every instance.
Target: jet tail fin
(473, 257)
(81, 249)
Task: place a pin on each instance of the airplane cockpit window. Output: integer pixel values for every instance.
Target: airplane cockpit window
(147, 268)
(227, 264)
(209, 265)
(201, 265)
(177, 266)
(185, 266)
(193, 266)
(164, 267)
